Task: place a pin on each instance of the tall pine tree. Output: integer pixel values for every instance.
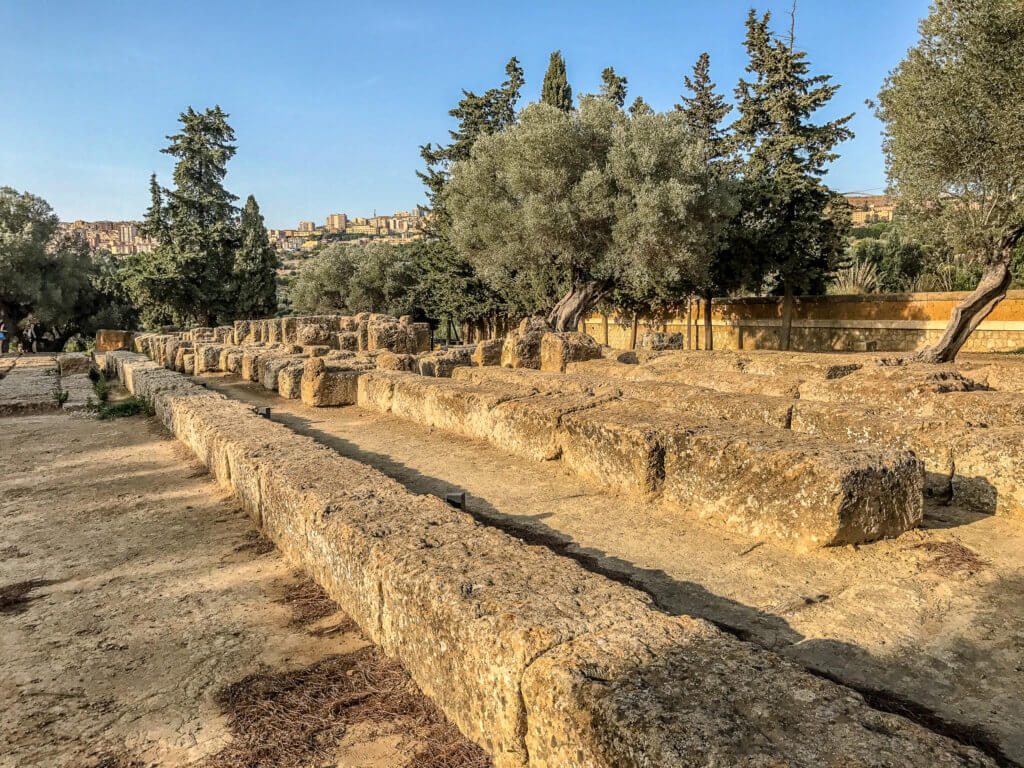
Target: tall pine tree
(255, 266)
(792, 218)
(555, 89)
(189, 277)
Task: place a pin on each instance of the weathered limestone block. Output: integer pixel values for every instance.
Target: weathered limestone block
(522, 346)
(488, 352)
(387, 333)
(208, 358)
(659, 340)
(901, 388)
(977, 408)
(272, 334)
(559, 349)
(289, 329)
(326, 384)
(73, 362)
(675, 691)
(314, 334)
(250, 363)
(347, 340)
(270, 367)
(108, 341)
(528, 426)
(240, 332)
(376, 389)
(440, 364)
(231, 360)
(184, 348)
(389, 361)
(618, 444)
(990, 471)
(804, 490)
(224, 334)
(694, 401)
(289, 381)
(188, 362)
(315, 350)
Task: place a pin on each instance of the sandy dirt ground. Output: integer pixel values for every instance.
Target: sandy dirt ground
(144, 623)
(930, 624)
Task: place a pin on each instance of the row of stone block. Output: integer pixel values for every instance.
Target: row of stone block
(362, 332)
(542, 663)
(970, 441)
(760, 479)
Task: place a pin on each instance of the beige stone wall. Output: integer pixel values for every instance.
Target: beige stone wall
(897, 323)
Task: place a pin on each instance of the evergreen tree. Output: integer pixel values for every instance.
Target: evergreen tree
(791, 218)
(255, 266)
(704, 109)
(478, 115)
(155, 224)
(613, 87)
(555, 90)
(640, 107)
(189, 277)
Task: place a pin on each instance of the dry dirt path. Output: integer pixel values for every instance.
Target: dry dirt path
(143, 623)
(930, 624)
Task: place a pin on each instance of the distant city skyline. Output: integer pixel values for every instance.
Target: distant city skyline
(324, 127)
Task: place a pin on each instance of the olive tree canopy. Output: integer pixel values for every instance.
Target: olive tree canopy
(954, 120)
(592, 195)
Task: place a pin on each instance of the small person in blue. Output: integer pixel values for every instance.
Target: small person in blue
(3, 336)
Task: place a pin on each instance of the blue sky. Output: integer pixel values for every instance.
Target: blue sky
(330, 101)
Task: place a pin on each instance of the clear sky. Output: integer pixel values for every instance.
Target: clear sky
(331, 100)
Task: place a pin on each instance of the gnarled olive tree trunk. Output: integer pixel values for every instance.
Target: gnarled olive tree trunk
(968, 314)
(575, 305)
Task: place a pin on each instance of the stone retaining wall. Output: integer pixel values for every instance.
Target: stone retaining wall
(885, 322)
(542, 663)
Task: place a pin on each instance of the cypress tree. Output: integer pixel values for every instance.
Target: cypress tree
(255, 266)
(155, 223)
(555, 89)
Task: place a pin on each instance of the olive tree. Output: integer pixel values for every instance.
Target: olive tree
(592, 195)
(954, 140)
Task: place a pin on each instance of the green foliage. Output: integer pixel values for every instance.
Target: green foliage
(954, 130)
(897, 262)
(478, 116)
(555, 90)
(190, 277)
(59, 395)
(47, 276)
(705, 109)
(792, 221)
(588, 198)
(132, 406)
(613, 87)
(352, 278)
(255, 270)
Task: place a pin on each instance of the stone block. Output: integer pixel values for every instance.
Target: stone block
(289, 381)
(801, 489)
(376, 389)
(559, 349)
(270, 367)
(522, 346)
(389, 361)
(207, 358)
(348, 341)
(108, 340)
(488, 352)
(658, 341)
(328, 385)
(440, 364)
(74, 362)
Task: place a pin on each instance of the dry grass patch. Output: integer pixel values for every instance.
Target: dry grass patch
(952, 559)
(298, 718)
(307, 602)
